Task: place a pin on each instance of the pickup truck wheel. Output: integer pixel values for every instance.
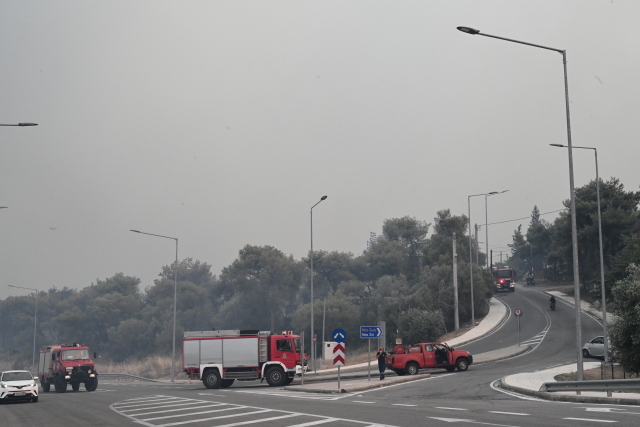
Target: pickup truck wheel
(400, 372)
(412, 369)
(450, 368)
(276, 377)
(211, 379)
(45, 386)
(462, 364)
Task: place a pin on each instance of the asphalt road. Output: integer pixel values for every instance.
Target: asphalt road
(447, 398)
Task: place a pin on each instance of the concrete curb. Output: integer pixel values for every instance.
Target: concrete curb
(494, 328)
(399, 380)
(524, 349)
(568, 397)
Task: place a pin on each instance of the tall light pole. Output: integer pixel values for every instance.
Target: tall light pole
(574, 233)
(175, 299)
(473, 316)
(20, 124)
(604, 300)
(35, 322)
(313, 347)
(486, 225)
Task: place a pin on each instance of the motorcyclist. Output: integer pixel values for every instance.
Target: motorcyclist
(552, 301)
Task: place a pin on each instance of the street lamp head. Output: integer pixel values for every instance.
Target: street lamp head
(27, 124)
(468, 30)
(135, 231)
(557, 145)
(323, 198)
(492, 193)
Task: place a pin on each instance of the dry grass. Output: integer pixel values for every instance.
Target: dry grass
(154, 367)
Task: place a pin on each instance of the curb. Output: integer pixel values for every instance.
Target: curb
(568, 397)
(497, 325)
(362, 388)
(525, 349)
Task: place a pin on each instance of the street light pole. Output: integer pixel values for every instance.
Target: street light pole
(175, 299)
(604, 300)
(20, 124)
(574, 233)
(486, 226)
(473, 317)
(35, 322)
(313, 347)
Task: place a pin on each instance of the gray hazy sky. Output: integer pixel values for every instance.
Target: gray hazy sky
(222, 122)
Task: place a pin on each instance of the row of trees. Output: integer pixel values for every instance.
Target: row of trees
(404, 278)
(547, 247)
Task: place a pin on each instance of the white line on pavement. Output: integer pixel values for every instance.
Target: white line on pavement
(361, 401)
(216, 418)
(452, 409)
(401, 404)
(508, 413)
(173, 410)
(589, 419)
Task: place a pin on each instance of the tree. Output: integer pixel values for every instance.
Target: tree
(625, 330)
(329, 270)
(439, 251)
(421, 326)
(265, 275)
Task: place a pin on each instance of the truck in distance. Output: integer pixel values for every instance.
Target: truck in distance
(504, 279)
(67, 364)
(220, 357)
(409, 360)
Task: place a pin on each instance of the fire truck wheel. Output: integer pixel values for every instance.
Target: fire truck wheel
(60, 385)
(46, 386)
(75, 386)
(276, 377)
(289, 380)
(462, 364)
(412, 369)
(451, 368)
(227, 383)
(211, 379)
(91, 384)
(400, 372)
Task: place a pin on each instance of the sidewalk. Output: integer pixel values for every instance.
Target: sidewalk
(529, 383)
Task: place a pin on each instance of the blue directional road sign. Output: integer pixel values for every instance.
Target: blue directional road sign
(339, 335)
(370, 331)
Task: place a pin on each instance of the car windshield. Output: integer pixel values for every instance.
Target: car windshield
(75, 354)
(502, 273)
(16, 376)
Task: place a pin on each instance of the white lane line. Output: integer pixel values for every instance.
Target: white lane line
(140, 399)
(260, 420)
(216, 418)
(161, 406)
(513, 394)
(509, 413)
(401, 404)
(590, 419)
(461, 420)
(313, 423)
(188, 414)
(451, 409)
(175, 410)
(361, 401)
(156, 402)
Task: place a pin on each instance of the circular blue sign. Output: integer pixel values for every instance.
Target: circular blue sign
(339, 335)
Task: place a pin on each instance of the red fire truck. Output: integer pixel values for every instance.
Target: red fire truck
(504, 279)
(67, 364)
(221, 357)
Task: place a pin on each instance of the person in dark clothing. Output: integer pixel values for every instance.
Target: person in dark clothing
(381, 355)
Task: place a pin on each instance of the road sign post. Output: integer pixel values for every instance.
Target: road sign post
(518, 313)
(369, 332)
(339, 336)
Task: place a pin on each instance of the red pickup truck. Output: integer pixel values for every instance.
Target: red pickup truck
(408, 360)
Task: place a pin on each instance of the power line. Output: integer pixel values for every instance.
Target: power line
(526, 217)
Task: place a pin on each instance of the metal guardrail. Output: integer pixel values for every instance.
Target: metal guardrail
(597, 385)
(130, 376)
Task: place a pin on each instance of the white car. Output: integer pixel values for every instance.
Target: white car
(18, 385)
(594, 348)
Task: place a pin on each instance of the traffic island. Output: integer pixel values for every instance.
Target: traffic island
(353, 385)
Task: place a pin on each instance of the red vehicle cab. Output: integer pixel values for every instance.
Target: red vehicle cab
(409, 360)
(504, 279)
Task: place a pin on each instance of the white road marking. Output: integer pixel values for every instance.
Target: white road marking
(173, 410)
(188, 414)
(209, 394)
(461, 420)
(452, 409)
(508, 413)
(590, 419)
(361, 401)
(401, 404)
(313, 423)
(262, 411)
(158, 407)
(513, 394)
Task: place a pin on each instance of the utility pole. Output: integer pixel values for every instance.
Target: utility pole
(477, 247)
(455, 285)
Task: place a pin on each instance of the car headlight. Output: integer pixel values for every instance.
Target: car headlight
(4, 386)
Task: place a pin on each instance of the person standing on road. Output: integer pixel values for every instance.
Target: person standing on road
(381, 355)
